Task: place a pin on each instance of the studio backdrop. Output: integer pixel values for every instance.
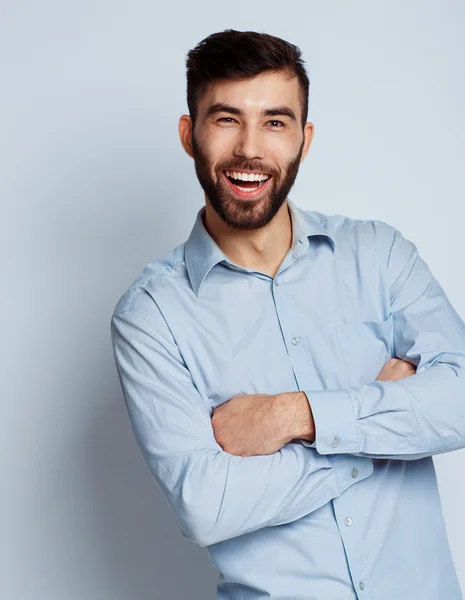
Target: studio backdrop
(94, 184)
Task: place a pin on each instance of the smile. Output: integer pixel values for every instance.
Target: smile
(247, 185)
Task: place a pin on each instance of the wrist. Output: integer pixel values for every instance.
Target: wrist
(298, 417)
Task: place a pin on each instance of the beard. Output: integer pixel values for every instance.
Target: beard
(239, 213)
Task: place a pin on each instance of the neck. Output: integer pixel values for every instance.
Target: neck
(262, 250)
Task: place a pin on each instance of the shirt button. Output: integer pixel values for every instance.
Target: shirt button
(348, 521)
(336, 442)
(361, 585)
(295, 340)
(275, 281)
(354, 473)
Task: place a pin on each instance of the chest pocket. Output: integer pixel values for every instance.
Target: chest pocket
(366, 346)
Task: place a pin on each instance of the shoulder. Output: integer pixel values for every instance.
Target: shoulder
(365, 233)
(368, 241)
(158, 276)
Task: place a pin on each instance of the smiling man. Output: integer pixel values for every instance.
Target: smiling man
(248, 148)
(288, 374)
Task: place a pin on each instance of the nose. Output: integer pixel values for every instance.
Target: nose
(249, 144)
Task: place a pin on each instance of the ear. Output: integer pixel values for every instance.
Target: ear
(308, 137)
(185, 133)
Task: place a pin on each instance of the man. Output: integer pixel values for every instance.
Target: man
(288, 374)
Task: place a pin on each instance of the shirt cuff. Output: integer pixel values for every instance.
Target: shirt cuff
(335, 421)
(308, 444)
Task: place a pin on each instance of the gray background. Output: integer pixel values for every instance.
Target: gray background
(94, 184)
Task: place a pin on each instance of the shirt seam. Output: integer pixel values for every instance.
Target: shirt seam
(141, 285)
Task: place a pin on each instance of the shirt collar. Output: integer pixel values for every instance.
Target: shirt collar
(202, 253)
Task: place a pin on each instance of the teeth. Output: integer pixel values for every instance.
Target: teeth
(245, 189)
(247, 176)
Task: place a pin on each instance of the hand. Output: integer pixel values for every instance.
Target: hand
(396, 369)
(250, 424)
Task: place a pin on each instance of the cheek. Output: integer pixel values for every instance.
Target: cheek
(216, 138)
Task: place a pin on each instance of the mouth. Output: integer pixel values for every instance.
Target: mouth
(247, 185)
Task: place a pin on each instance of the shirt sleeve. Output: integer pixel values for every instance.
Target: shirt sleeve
(422, 414)
(215, 495)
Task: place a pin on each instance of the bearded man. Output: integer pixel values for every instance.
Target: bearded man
(289, 374)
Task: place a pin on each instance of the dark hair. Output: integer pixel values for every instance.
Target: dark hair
(236, 55)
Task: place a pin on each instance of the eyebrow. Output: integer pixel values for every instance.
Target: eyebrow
(277, 111)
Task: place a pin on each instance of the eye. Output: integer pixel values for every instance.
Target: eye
(281, 123)
(226, 118)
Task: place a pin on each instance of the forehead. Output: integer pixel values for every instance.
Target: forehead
(255, 94)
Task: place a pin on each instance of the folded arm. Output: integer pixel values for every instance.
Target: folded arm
(215, 495)
(417, 416)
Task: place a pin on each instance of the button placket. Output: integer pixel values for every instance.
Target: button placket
(347, 513)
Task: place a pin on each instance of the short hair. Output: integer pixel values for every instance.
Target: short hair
(235, 55)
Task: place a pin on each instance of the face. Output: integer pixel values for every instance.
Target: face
(248, 129)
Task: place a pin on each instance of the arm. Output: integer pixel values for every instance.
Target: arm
(417, 416)
(215, 495)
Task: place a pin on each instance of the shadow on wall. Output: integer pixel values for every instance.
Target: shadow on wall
(142, 548)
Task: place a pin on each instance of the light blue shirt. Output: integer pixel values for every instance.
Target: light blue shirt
(357, 513)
